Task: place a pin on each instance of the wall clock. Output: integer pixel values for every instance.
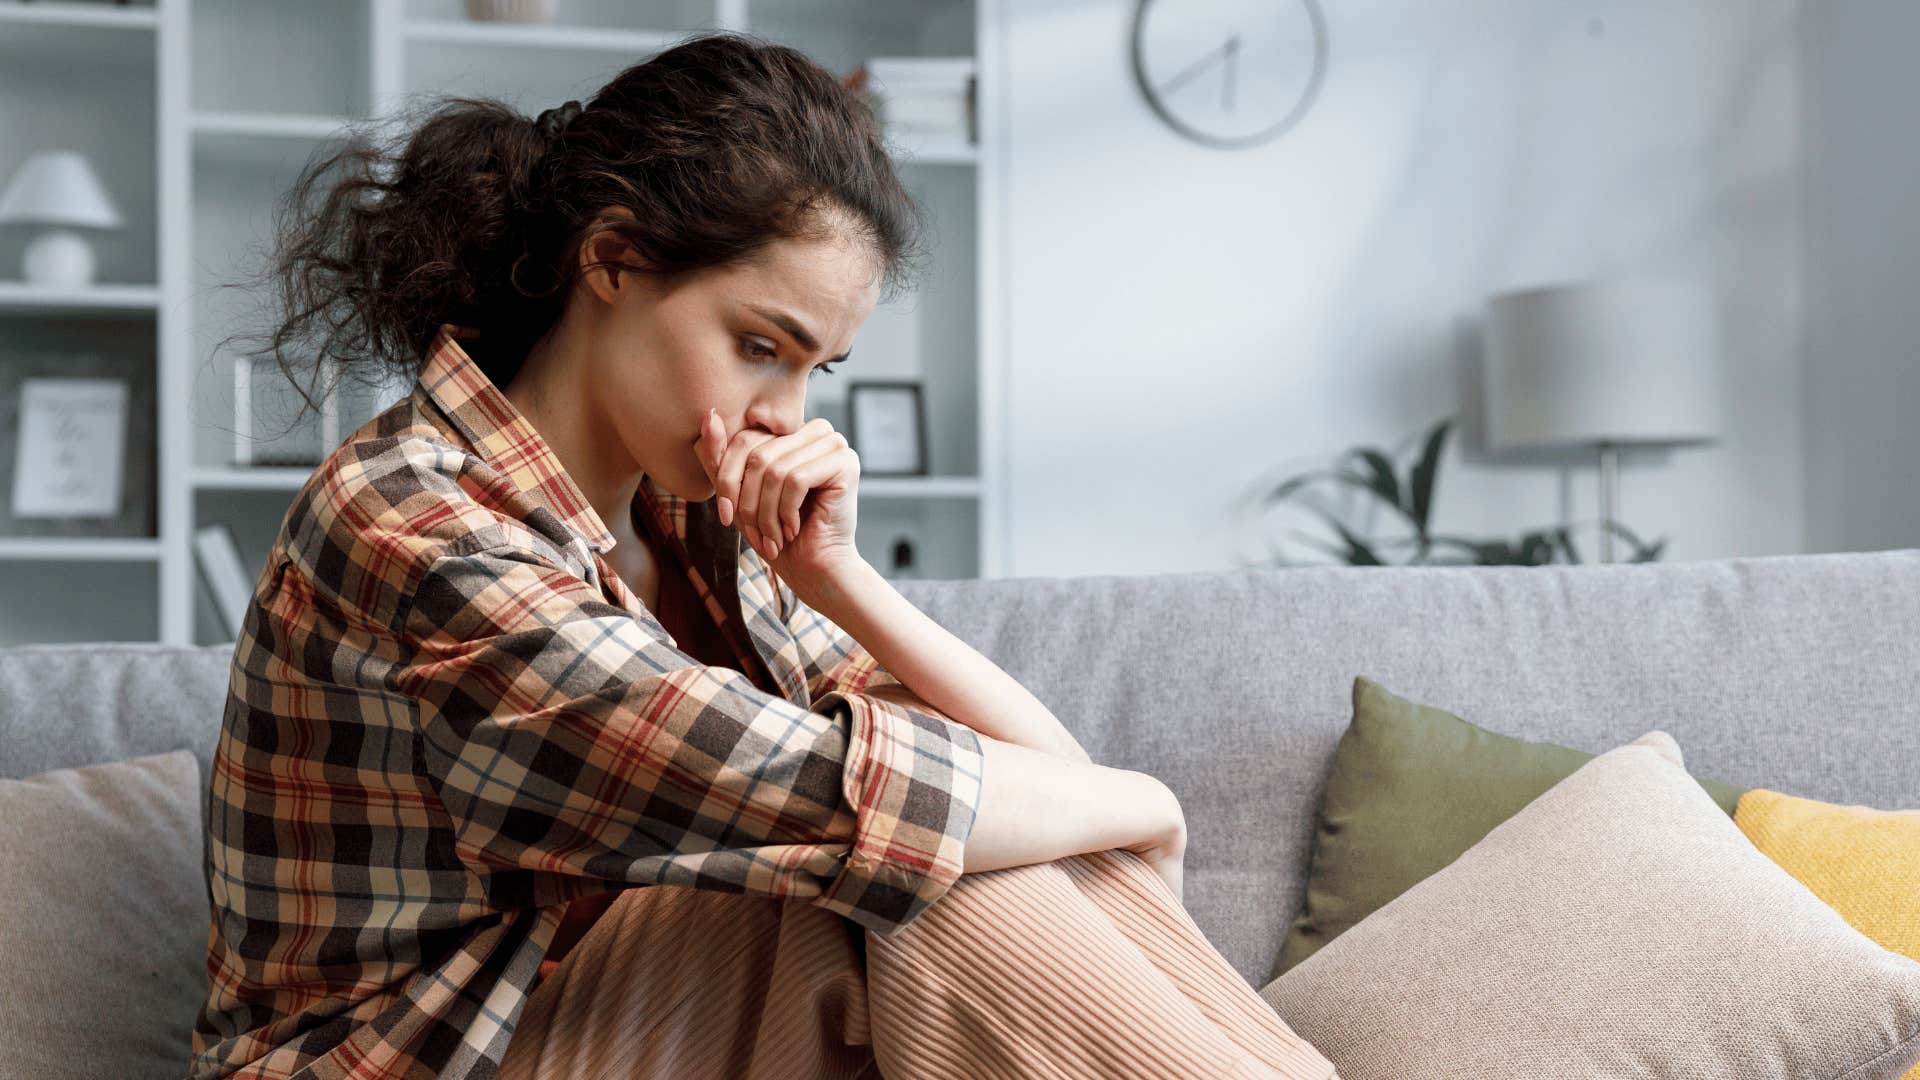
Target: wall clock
(1229, 73)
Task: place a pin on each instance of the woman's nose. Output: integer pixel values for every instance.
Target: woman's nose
(781, 415)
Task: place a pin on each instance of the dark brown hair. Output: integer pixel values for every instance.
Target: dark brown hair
(474, 213)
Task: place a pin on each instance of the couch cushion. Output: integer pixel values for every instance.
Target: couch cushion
(1864, 862)
(62, 706)
(104, 916)
(1619, 925)
(1411, 788)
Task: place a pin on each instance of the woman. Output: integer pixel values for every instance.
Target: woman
(509, 657)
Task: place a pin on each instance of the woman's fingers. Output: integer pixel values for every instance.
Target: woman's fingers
(803, 477)
(733, 462)
(763, 474)
(713, 447)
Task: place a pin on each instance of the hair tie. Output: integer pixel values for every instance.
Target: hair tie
(551, 122)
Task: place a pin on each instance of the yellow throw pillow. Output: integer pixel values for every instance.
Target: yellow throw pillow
(1863, 863)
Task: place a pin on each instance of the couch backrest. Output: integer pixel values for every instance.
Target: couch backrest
(1800, 673)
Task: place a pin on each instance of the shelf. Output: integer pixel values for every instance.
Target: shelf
(79, 549)
(256, 478)
(201, 113)
(58, 39)
(276, 144)
(920, 487)
(88, 16)
(267, 125)
(916, 148)
(120, 301)
(539, 36)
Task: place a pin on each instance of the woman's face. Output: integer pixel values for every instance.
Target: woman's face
(744, 340)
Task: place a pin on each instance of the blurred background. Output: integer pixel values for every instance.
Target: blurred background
(1215, 284)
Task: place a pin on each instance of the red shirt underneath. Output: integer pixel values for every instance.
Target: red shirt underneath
(699, 638)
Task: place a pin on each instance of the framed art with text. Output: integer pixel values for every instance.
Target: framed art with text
(888, 427)
(77, 443)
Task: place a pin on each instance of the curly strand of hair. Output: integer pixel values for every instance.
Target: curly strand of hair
(463, 210)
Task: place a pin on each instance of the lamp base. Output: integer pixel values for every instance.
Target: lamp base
(1609, 497)
(59, 258)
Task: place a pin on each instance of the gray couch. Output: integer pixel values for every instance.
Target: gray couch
(1800, 673)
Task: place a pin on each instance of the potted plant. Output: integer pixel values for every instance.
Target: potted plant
(1372, 472)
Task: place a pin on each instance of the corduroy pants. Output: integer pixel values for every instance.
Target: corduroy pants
(1081, 967)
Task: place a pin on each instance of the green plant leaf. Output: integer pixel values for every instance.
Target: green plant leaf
(1293, 485)
(1426, 475)
(1536, 548)
(1319, 545)
(1642, 551)
(1382, 481)
(1566, 544)
(1296, 485)
(1485, 553)
(1359, 552)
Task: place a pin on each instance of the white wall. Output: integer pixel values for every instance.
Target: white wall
(1185, 321)
(1863, 275)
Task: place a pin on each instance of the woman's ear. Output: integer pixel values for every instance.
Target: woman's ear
(599, 249)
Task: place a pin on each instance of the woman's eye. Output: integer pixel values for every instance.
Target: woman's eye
(756, 349)
(826, 368)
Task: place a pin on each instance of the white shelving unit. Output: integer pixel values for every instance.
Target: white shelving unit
(243, 91)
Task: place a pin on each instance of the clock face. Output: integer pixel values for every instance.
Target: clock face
(1230, 72)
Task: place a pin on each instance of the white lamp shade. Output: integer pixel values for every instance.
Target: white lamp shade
(1631, 362)
(58, 187)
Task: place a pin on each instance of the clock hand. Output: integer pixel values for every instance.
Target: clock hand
(1231, 70)
(1206, 60)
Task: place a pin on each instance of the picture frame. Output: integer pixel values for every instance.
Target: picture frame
(55, 394)
(887, 426)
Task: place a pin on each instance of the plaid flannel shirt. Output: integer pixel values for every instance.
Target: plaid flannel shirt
(448, 717)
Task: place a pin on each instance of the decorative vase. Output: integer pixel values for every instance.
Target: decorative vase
(516, 11)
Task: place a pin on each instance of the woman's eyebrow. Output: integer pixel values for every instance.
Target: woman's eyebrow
(792, 326)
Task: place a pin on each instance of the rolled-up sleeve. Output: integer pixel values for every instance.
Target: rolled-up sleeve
(564, 735)
(830, 657)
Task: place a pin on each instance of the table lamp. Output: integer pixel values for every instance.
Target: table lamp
(58, 188)
(1606, 364)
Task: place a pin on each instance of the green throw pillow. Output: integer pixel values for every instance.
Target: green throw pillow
(1410, 789)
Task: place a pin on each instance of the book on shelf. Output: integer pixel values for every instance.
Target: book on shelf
(917, 112)
(896, 73)
(225, 574)
(922, 95)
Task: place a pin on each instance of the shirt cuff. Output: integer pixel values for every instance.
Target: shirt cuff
(913, 782)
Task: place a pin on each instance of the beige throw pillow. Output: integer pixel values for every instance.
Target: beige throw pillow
(103, 919)
(1620, 925)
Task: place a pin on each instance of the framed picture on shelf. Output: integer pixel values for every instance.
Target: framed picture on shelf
(77, 443)
(887, 422)
(273, 426)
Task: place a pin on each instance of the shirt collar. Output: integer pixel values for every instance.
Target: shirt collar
(505, 438)
(711, 552)
(508, 441)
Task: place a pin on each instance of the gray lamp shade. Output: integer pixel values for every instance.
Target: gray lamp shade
(58, 187)
(1633, 361)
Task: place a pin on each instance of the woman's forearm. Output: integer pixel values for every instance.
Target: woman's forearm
(1035, 807)
(946, 672)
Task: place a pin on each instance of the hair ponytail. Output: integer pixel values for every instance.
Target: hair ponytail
(473, 213)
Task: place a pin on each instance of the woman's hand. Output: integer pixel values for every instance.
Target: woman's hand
(793, 496)
(1166, 852)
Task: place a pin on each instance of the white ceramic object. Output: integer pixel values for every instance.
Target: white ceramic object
(515, 11)
(59, 258)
